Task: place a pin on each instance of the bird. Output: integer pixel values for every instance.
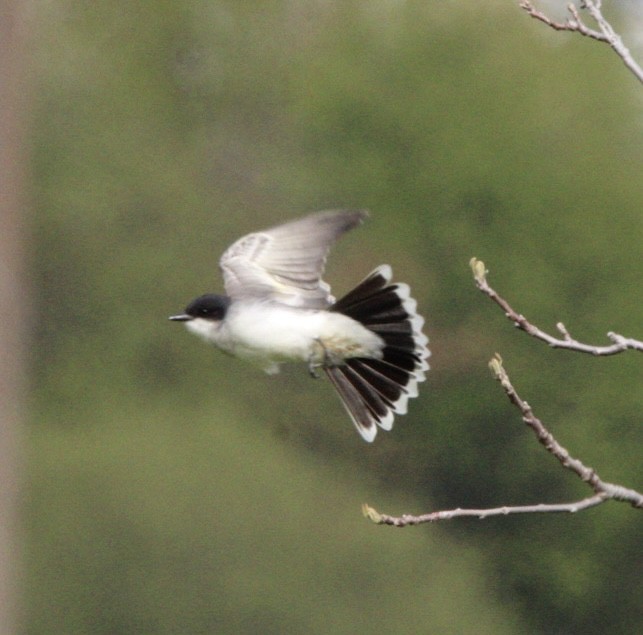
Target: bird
(276, 308)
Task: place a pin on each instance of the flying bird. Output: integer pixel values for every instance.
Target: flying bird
(277, 309)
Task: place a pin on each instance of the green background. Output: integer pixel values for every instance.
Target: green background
(171, 489)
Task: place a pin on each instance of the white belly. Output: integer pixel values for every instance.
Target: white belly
(268, 333)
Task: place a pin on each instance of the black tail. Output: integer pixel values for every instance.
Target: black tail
(374, 390)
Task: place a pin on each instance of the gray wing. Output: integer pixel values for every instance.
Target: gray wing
(285, 263)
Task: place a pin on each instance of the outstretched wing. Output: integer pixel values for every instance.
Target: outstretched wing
(285, 263)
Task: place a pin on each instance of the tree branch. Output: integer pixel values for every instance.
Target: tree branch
(407, 519)
(605, 33)
(603, 490)
(619, 344)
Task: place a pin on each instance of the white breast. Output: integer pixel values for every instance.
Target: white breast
(271, 332)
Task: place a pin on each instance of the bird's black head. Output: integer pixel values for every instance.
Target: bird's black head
(209, 307)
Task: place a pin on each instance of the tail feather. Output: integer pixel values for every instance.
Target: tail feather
(374, 402)
(353, 402)
(386, 387)
(373, 390)
(383, 305)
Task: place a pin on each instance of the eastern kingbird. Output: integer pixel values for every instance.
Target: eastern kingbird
(277, 308)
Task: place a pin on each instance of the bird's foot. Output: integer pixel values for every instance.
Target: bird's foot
(318, 358)
(321, 357)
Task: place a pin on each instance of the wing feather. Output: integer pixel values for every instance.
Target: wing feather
(285, 263)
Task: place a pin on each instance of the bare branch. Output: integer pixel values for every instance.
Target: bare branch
(569, 25)
(481, 514)
(603, 490)
(605, 32)
(619, 343)
(546, 438)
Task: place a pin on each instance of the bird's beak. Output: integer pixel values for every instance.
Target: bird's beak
(180, 318)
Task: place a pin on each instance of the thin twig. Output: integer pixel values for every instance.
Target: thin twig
(603, 490)
(619, 343)
(605, 33)
(576, 24)
(546, 438)
(407, 519)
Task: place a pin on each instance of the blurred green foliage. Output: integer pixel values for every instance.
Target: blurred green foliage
(172, 489)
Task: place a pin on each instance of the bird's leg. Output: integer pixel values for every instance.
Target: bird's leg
(318, 352)
(320, 356)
